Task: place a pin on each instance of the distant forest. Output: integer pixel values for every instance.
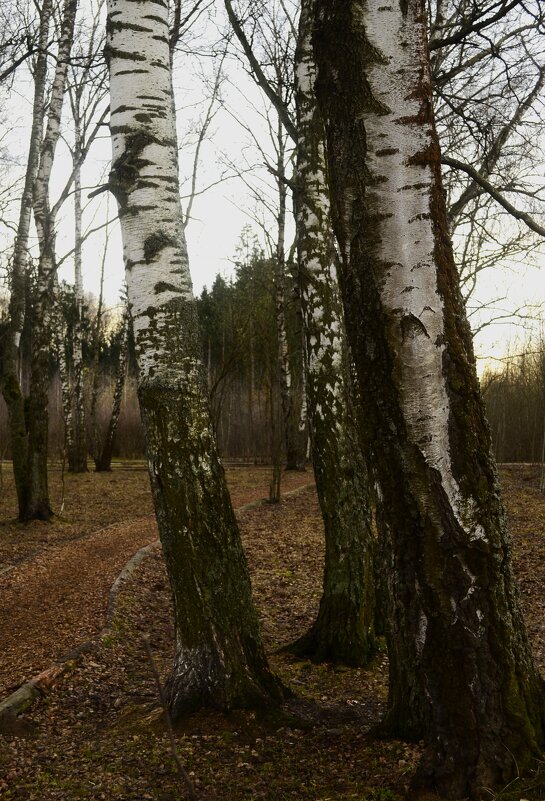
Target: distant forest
(240, 353)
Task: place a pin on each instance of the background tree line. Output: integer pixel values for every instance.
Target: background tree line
(239, 350)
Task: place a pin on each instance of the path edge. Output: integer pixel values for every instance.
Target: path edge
(40, 685)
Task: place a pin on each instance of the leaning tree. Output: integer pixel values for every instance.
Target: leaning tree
(219, 659)
(461, 666)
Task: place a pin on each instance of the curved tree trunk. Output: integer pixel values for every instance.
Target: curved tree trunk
(456, 618)
(219, 659)
(344, 628)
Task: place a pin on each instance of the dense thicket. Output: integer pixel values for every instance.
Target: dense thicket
(239, 351)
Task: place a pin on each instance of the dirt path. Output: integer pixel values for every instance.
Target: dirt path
(57, 599)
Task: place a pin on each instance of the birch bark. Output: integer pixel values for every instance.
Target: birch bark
(219, 659)
(77, 443)
(344, 628)
(38, 506)
(11, 388)
(456, 617)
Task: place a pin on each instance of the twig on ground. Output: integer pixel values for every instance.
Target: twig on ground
(168, 723)
(63, 484)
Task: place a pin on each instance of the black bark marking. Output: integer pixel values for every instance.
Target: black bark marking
(412, 326)
(164, 286)
(155, 243)
(387, 151)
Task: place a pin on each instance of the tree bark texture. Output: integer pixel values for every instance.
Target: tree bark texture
(344, 628)
(219, 658)
(77, 442)
(455, 618)
(38, 506)
(11, 388)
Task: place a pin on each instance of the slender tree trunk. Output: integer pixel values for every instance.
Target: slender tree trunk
(456, 619)
(11, 387)
(38, 505)
(95, 434)
(103, 462)
(344, 628)
(294, 459)
(219, 658)
(59, 337)
(77, 444)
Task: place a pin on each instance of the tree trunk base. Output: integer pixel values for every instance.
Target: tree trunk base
(400, 725)
(338, 644)
(38, 511)
(103, 466)
(200, 680)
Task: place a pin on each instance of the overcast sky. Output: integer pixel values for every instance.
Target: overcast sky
(220, 213)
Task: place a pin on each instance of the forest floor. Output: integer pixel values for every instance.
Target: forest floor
(99, 734)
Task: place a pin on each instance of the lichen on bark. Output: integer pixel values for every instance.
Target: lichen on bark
(344, 628)
(461, 666)
(219, 658)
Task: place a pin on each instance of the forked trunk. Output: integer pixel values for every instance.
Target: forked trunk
(219, 659)
(455, 619)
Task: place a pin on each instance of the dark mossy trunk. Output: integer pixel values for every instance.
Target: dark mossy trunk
(77, 456)
(344, 628)
(15, 402)
(38, 506)
(11, 388)
(219, 659)
(454, 614)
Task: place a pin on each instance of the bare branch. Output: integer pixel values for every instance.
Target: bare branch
(259, 75)
(493, 192)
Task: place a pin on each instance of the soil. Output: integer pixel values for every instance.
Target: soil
(100, 733)
(55, 577)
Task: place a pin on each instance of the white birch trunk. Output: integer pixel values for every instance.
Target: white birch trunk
(456, 637)
(77, 446)
(38, 502)
(344, 629)
(11, 388)
(219, 659)
(284, 371)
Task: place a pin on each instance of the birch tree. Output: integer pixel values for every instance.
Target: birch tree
(456, 637)
(219, 659)
(11, 388)
(38, 505)
(344, 628)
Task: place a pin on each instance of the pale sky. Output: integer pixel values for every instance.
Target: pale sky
(218, 215)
